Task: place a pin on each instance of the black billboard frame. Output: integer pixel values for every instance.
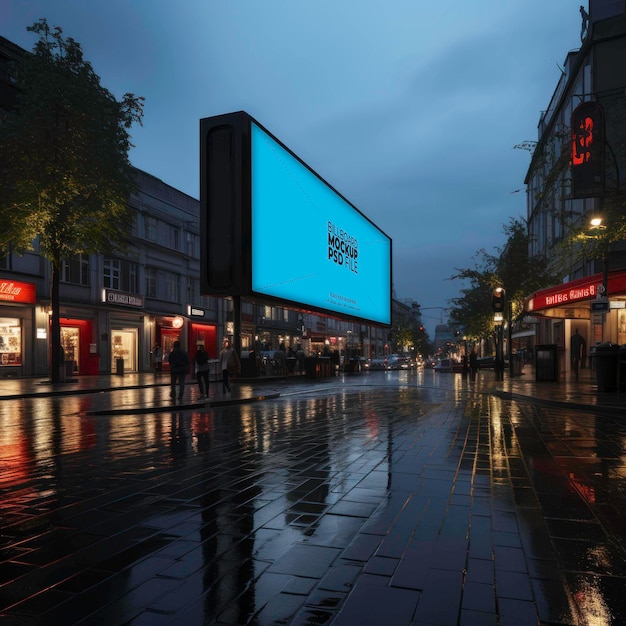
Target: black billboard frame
(226, 236)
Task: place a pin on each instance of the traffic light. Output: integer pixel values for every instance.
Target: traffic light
(498, 300)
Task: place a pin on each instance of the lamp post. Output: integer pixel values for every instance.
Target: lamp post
(498, 306)
(597, 224)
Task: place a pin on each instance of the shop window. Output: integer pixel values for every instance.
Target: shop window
(70, 342)
(124, 346)
(10, 342)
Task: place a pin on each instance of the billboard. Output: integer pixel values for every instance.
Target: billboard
(276, 230)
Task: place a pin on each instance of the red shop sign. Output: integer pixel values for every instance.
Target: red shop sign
(14, 291)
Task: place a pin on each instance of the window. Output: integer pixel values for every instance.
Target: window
(190, 243)
(191, 289)
(172, 287)
(76, 270)
(174, 237)
(208, 302)
(6, 261)
(151, 282)
(120, 274)
(150, 227)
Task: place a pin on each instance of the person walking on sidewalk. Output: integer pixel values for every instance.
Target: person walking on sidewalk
(229, 364)
(473, 364)
(179, 364)
(201, 360)
(158, 358)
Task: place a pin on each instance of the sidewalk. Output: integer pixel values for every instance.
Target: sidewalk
(582, 394)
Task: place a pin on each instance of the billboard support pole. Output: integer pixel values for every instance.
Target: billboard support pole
(237, 324)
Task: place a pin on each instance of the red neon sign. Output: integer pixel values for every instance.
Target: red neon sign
(14, 291)
(582, 141)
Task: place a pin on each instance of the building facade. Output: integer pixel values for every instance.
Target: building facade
(596, 73)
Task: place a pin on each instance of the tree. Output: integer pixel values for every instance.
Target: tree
(472, 310)
(64, 149)
(512, 268)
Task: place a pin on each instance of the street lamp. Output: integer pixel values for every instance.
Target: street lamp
(498, 306)
(596, 223)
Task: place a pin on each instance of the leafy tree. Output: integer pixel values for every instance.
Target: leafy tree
(472, 309)
(64, 160)
(510, 267)
(585, 241)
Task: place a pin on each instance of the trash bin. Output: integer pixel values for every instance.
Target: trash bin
(248, 366)
(119, 367)
(547, 363)
(311, 367)
(606, 361)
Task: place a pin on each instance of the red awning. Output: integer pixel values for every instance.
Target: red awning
(574, 293)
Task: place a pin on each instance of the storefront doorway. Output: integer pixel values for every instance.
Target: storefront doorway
(70, 342)
(124, 346)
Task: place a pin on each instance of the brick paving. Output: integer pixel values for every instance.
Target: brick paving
(382, 498)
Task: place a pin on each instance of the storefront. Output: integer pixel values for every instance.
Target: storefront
(577, 306)
(79, 345)
(168, 330)
(125, 322)
(17, 303)
(202, 332)
(203, 335)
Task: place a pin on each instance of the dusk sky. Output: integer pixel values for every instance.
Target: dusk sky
(410, 109)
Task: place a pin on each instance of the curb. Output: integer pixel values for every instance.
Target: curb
(179, 407)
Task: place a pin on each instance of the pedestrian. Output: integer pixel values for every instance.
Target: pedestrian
(473, 364)
(577, 346)
(158, 358)
(201, 361)
(229, 364)
(179, 364)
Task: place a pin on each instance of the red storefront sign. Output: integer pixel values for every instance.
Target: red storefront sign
(575, 291)
(14, 291)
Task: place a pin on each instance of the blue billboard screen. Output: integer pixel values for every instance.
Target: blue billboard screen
(309, 245)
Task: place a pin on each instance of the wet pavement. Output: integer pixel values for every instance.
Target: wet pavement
(383, 498)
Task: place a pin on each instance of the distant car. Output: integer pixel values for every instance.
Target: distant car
(376, 364)
(398, 362)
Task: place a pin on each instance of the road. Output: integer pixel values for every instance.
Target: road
(387, 498)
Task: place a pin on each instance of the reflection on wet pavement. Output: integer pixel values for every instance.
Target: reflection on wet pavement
(385, 501)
